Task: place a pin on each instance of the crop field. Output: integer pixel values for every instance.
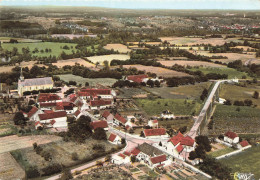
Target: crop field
(28, 64)
(235, 92)
(117, 47)
(92, 82)
(157, 70)
(194, 41)
(232, 73)
(244, 120)
(7, 39)
(72, 62)
(61, 153)
(182, 92)
(56, 49)
(247, 161)
(176, 106)
(191, 63)
(109, 58)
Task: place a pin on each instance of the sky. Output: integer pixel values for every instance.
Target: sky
(143, 4)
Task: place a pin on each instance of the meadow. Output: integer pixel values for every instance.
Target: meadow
(232, 73)
(177, 106)
(191, 63)
(56, 48)
(92, 82)
(221, 152)
(247, 161)
(109, 58)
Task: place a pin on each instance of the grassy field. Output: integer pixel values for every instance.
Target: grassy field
(176, 106)
(221, 152)
(232, 73)
(181, 92)
(246, 120)
(92, 82)
(245, 162)
(109, 58)
(177, 123)
(170, 63)
(55, 47)
(235, 92)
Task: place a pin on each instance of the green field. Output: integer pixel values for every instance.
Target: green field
(181, 92)
(232, 73)
(55, 47)
(235, 92)
(245, 162)
(92, 82)
(246, 120)
(221, 152)
(176, 106)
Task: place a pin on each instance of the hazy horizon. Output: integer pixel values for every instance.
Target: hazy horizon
(145, 4)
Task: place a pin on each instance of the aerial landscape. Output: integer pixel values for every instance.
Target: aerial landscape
(130, 90)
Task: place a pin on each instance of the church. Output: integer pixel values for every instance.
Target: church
(33, 84)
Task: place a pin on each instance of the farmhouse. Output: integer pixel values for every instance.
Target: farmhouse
(108, 116)
(153, 123)
(119, 120)
(33, 113)
(114, 139)
(70, 108)
(231, 137)
(121, 159)
(242, 144)
(155, 133)
(100, 104)
(150, 155)
(33, 84)
(53, 119)
(95, 94)
(137, 78)
(179, 143)
(99, 124)
(48, 98)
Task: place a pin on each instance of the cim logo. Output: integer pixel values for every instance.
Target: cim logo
(243, 176)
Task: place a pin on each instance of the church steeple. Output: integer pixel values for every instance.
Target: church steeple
(21, 75)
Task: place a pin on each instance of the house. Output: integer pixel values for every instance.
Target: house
(77, 114)
(155, 133)
(95, 94)
(114, 139)
(33, 113)
(53, 119)
(231, 137)
(69, 107)
(151, 155)
(167, 115)
(100, 104)
(137, 78)
(153, 123)
(99, 124)
(108, 116)
(38, 125)
(121, 158)
(242, 144)
(179, 143)
(119, 120)
(48, 98)
(33, 84)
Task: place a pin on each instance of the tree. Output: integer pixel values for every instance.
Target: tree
(256, 95)
(35, 145)
(133, 159)
(86, 84)
(99, 134)
(142, 134)
(66, 174)
(157, 83)
(123, 141)
(74, 156)
(192, 155)
(150, 83)
(183, 129)
(31, 102)
(108, 158)
(160, 143)
(228, 102)
(19, 119)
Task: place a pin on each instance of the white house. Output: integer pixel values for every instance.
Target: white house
(119, 120)
(155, 133)
(108, 116)
(153, 123)
(99, 124)
(53, 119)
(100, 104)
(114, 139)
(95, 94)
(167, 115)
(231, 137)
(121, 159)
(33, 113)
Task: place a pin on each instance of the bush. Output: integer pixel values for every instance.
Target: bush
(52, 169)
(32, 172)
(74, 156)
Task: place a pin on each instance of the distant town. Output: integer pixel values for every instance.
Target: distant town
(99, 93)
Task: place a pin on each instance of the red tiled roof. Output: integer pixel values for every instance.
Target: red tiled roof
(121, 155)
(99, 103)
(176, 139)
(106, 114)
(47, 104)
(98, 124)
(137, 78)
(154, 132)
(155, 121)
(179, 148)
(38, 123)
(231, 135)
(32, 111)
(48, 111)
(120, 118)
(43, 97)
(135, 151)
(77, 113)
(112, 137)
(94, 92)
(179, 138)
(53, 122)
(52, 115)
(127, 153)
(244, 143)
(158, 159)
